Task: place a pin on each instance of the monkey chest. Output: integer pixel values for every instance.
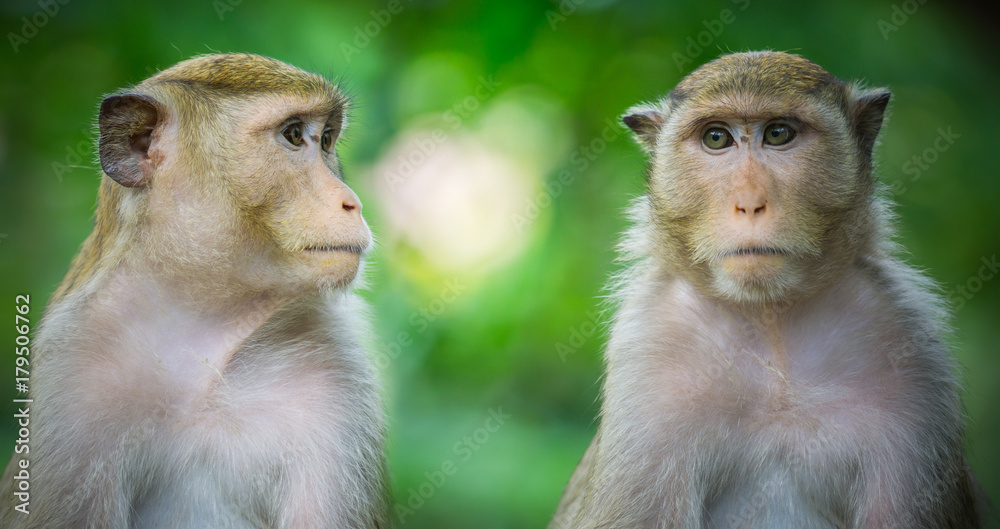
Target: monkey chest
(232, 454)
(777, 445)
(795, 467)
(773, 499)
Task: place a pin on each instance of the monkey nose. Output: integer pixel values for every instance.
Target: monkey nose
(349, 201)
(338, 193)
(751, 204)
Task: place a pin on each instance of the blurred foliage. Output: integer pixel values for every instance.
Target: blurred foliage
(511, 332)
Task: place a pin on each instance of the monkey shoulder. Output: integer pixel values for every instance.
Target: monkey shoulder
(295, 399)
(304, 364)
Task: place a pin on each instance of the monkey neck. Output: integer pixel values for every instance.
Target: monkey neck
(203, 294)
(187, 327)
(769, 331)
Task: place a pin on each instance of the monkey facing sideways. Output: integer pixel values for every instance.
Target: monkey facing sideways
(201, 365)
(771, 363)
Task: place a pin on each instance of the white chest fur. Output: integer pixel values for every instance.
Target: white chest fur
(779, 411)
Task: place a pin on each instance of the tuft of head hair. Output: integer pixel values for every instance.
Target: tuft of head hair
(243, 74)
(756, 73)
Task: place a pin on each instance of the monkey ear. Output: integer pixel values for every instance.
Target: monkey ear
(127, 122)
(645, 122)
(867, 113)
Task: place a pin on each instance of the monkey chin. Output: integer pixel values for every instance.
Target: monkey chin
(754, 276)
(329, 267)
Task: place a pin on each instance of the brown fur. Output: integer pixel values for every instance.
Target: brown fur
(771, 363)
(202, 364)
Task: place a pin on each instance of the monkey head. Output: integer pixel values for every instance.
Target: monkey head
(760, 179)
(224, 167)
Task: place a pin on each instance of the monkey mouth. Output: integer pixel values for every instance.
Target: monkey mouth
(350, 248)
(755, 250)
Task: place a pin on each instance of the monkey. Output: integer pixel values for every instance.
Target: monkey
(203, 363)
(771, 362)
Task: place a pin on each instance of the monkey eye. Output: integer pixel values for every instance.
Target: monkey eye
(717, 138)
(778, 134)
(293, 133)
(326, 141)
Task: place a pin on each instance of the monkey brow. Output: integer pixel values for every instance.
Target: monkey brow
(323, 111)
(320, 111)
(316, 106)
(327, 107)
(307, 107)
(693, 126)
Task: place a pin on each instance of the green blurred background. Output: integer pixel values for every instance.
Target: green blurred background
(485, 145)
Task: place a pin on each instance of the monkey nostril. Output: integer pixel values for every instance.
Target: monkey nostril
(740, 210)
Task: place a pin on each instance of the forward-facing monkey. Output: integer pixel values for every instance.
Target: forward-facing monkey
(201, 365)
(771, 363)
